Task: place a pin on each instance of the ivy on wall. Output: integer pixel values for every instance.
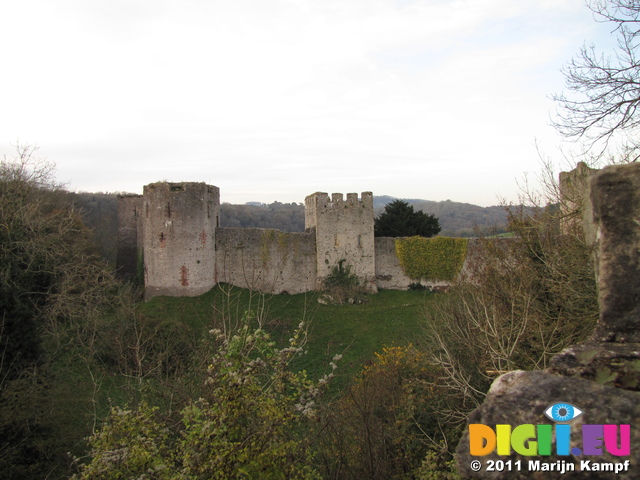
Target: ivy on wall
(437, 258)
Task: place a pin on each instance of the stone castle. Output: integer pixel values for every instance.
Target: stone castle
(172, 235)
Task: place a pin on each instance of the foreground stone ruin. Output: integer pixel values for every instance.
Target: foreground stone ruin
(600, 377)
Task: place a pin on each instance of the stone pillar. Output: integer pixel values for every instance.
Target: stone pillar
(602, 376)
(574, 197)
(615, 214)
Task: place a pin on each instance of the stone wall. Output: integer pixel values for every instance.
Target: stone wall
(186, 252)
(389, 273)
(129, 238)
(343, 231)
(266, 260)
(574, 196)
(179, 224)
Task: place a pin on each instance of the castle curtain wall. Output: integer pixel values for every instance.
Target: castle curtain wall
(389, 273)
(266, 260)
(175, 228)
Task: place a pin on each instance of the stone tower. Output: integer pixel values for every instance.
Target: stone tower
(344, 231)
(129, 235)
(179, 223)
(574, 196)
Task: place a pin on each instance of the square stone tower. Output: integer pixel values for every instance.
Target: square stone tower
(344, 232)
(179, 223)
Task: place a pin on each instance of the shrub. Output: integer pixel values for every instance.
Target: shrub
(342, 286)
(387, 421)
(248, 423)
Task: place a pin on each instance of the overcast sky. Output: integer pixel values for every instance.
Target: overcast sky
(276, 99)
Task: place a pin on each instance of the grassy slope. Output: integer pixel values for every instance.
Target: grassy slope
(355, 331)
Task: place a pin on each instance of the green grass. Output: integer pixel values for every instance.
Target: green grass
(502, 235)
(82, 391)
(355, 331)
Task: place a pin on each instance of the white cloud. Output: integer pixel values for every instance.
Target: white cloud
(391, 96)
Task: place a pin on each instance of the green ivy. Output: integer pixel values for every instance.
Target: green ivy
(437, 258)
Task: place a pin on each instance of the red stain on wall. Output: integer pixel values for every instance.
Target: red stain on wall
(184, 276)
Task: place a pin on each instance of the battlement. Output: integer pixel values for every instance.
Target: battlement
(319, 204)
(180, 188)
(344, 233)
(337, 199)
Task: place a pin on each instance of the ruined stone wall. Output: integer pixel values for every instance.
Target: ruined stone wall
(129, 235)
(266, 260)
(389, 273)
(574, 197)
(186, 252)
(343, 231)
(179, 223)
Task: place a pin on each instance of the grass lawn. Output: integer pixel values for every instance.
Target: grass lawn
(355, 331)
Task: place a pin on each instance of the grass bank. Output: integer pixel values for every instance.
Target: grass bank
(355, 331)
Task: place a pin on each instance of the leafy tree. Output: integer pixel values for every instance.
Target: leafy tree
(603, 105)
(400, 220)
(51, 280)
(49, 268)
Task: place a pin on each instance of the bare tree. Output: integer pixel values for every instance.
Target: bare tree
(602, 107)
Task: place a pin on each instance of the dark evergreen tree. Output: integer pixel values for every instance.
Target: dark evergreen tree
(400, 220)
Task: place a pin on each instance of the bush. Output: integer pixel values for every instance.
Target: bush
(387, 421)
(249, 422)
(526, 298)
(342, 286)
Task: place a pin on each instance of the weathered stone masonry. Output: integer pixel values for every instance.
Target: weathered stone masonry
(171, 235)
(344, 231)
(177, 230)
(600, 376)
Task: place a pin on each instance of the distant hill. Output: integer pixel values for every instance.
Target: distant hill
(288, 217)
(456, 219)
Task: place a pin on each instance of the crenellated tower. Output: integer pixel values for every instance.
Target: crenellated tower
(344, 232)
(179, 222)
